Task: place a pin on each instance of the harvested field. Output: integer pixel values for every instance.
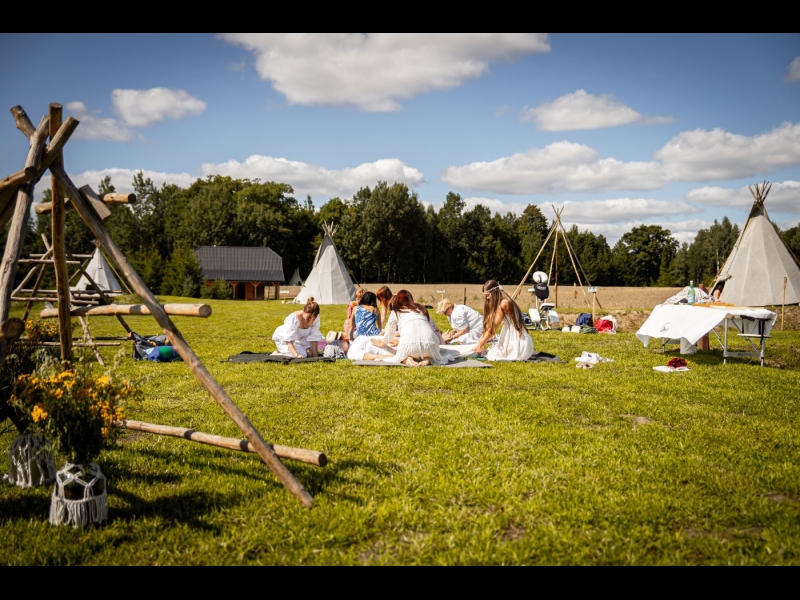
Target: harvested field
(630, 305)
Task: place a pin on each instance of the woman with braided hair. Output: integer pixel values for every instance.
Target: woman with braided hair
(514, 342)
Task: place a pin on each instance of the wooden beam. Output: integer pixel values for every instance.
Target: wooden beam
(311, 457)
(94, 201)
(11, 328)
(117, 198)
(45, 208)
(18, 178)
(59, 250)
(19, 225)
(182, 310)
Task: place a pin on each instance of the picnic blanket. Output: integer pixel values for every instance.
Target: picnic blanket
(251, 357)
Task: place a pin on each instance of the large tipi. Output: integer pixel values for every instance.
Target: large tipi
(329, 282)
(101, 274)
(760, 261)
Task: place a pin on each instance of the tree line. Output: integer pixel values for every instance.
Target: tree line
(385, 235)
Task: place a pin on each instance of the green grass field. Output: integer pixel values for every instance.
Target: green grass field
(515, 464)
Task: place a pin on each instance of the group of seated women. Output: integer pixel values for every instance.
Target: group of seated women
(396, 328)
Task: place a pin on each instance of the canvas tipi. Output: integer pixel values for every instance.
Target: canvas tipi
(101, 274)
(755, 270)
(329, 282)
(296, 280)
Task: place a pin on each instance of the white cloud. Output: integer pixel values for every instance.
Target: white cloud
(122, 179)
(96, 128)
(793, 70)
(494, 205)
(375, 71)
(623, 209)
(141, 108)
(501, 110)
(690, 156)
(782, 197)
(560, 166)
(702, 155)
(581, 110)
(314, 180)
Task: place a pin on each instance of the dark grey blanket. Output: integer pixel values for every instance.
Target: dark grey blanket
(250, 357)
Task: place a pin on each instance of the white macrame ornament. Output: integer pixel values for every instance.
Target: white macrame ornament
(31, 462)
(80, 496)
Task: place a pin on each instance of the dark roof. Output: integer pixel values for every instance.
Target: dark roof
(233, 263)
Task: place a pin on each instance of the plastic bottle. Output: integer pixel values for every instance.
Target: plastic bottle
(690, 297)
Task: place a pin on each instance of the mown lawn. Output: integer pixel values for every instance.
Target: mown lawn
(515, 464)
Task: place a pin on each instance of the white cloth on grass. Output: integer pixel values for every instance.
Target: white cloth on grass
(363, 345)
(301, 338)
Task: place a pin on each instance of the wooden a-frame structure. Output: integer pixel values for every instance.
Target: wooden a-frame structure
(16, 199)
(557, 230)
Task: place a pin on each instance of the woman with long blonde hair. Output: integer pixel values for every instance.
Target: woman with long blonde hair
(499, 309)
(299, 334)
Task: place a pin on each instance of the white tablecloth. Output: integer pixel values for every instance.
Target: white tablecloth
(683, 321)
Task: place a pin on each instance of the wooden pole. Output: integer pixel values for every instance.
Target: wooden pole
(310, 457)
(594, 295)
(59, 250)
(783, 302)
(19, 224)
(216, 391)
(182, 310)
(18, 178)
(544, 245)
(11, 328)
(43, 208)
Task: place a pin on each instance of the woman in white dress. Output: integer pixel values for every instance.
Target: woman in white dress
(417, 345)
(466, 322)
(514, 342)
(299, 334)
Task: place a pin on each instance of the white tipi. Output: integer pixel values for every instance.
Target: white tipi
(101, 274)
(755, 270)
(296, 280)
(329, 282)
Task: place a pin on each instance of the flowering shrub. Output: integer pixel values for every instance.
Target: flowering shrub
(76, 411)
(40, 330)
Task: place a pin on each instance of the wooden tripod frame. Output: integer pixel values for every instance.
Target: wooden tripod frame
(19, 187)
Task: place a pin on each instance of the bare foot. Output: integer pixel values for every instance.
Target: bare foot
(423, 363)
(411, 362)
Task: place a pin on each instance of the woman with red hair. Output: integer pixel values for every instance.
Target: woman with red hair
(514, 342)
(418, 345)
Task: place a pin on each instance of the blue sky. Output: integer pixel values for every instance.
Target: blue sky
(617, 129)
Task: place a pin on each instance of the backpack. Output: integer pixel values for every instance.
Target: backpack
(584, 319)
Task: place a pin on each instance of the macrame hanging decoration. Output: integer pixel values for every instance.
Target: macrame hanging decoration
(31, 462)
(80, 496)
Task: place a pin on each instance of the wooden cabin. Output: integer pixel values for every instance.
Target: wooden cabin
(252, 273)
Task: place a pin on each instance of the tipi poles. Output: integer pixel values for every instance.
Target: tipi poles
(544, 245)
(264, 450)
(19, 223)
(59, 250)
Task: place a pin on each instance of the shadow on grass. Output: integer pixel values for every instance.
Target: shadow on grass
(316, 481)
(189, 507)
(25, 507)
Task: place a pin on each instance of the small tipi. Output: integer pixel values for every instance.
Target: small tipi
(296, 280)
(101, 274)
(329, 282)
(755, 270)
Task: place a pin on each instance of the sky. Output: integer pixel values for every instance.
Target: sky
(613, 130)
